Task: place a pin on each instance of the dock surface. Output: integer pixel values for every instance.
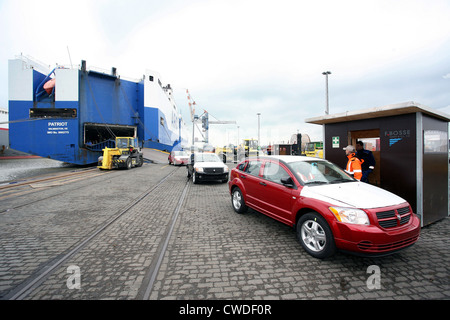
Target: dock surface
(149, 233)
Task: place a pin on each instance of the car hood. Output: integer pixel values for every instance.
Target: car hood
(209, 165)
(354, 194)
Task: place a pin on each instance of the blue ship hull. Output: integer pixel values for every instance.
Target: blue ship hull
(85, 111)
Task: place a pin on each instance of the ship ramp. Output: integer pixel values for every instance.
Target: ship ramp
(155, 156)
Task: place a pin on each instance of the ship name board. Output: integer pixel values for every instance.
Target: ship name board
(57, 127)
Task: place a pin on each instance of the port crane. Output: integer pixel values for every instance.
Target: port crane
(203, 118)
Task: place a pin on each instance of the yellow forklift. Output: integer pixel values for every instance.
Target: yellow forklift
(126, 155)
(248, 148)
(314, 149)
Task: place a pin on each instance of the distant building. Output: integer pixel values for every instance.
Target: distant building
(4, 129)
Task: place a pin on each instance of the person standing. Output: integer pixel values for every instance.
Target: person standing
(368, 161)
(354, 164)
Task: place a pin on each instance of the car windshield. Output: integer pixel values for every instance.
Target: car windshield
(180, 153)
(207, 157)
(319, 172)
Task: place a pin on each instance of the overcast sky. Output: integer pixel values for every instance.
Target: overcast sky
(238, 58)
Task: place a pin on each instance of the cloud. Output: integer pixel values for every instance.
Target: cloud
(45, 29)
(240, 57)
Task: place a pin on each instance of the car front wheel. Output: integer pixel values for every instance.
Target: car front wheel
(238, 201)
(194, 178)
(315, 235)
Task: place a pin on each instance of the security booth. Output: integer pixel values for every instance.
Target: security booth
(409, 142)
(282, 149)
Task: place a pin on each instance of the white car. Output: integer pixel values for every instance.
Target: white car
(207, 167)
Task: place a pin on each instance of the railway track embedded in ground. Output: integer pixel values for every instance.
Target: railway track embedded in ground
(33, 282)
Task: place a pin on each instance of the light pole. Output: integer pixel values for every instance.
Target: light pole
(258, 114)
(326, 73)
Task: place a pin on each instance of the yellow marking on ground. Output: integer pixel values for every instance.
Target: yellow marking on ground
(159, 150)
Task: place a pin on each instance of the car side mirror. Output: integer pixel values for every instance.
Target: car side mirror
(287, 182)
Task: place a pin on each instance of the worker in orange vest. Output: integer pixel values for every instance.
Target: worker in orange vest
(354, 164)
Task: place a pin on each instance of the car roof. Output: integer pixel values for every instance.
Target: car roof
(289, 159)
(202, 153)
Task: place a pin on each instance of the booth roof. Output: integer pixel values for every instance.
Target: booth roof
(386, 111)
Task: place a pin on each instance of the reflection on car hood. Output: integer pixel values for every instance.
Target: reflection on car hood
(209, 165)
(353, 194)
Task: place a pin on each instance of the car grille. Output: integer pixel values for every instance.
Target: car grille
(213, 170)
(394, 218)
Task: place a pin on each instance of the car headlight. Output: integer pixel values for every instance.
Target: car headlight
(225, 169)
(350, 215)
(199, 169)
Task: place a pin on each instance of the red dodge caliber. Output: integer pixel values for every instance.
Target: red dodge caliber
(328, 209)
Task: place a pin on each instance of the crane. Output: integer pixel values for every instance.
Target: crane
(191, 105)
(204, 119)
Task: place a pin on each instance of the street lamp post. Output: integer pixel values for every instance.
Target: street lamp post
(326, 73)
(259, 143)
(238, 142)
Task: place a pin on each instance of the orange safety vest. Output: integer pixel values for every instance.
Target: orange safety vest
(354, 166)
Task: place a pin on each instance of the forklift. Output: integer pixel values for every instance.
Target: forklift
(125, 155)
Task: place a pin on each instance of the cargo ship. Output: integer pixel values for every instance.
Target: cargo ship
(71, 114)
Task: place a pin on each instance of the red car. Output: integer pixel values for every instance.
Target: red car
(328, 209)
(178, 158)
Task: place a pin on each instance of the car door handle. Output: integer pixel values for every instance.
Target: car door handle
(263, 183)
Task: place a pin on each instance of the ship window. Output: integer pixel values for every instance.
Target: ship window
(52, 113)
(150, 78)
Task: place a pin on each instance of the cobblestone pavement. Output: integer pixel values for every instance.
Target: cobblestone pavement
(213, 253)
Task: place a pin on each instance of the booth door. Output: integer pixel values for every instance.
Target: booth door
(371, 140)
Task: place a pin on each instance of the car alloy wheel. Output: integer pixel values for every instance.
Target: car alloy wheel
(238, 201)
(315, 235)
